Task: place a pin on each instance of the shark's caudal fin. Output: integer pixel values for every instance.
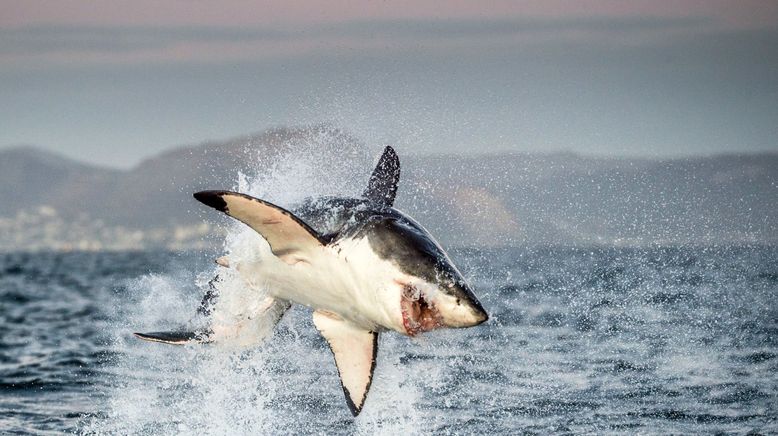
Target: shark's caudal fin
(355, 352)
(248, 329)
(254, 324)
(382, 186)
(174, 338)
(289, 236)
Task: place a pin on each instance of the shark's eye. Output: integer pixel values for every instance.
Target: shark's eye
(457, 301)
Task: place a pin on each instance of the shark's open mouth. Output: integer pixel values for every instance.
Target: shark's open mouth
(419, 315)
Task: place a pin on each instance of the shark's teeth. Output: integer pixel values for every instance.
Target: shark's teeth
(419, 315)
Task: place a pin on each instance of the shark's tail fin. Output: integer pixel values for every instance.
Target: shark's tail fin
(185, 335)
(175, 338)
(252, 326)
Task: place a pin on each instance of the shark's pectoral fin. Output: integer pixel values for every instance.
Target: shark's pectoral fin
(355, 353)
(289, 236)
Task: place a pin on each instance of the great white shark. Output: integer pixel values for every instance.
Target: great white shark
(363, 266)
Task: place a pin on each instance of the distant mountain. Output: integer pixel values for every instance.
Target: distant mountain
(30, 177)
(565, 198)
(158, 191)
(48, 201)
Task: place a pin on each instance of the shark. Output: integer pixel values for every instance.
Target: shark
(362, 266)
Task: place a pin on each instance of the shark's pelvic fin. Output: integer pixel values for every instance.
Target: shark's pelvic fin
(174, 338)
(223, 261)
(355, 353)
(251, 327)
(289, 236)
(382, 186)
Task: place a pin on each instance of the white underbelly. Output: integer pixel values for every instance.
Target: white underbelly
(348, 280)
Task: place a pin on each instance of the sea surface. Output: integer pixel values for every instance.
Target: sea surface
(581, 341)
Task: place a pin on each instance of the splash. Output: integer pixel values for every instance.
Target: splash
(285, 384)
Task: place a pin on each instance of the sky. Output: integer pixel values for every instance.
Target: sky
(114, 82)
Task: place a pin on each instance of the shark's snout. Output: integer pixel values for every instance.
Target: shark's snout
(466, 311)
(477, 312)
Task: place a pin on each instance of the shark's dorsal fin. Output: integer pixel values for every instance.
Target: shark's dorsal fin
(355, 352)
(382, 186)
(288, 235)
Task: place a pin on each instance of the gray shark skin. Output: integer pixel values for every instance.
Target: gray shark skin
(363, 266)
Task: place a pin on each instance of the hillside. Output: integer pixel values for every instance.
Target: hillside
(50, 202)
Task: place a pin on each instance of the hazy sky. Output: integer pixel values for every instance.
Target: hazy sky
(112, 82)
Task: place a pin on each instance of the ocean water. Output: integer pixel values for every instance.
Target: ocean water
(581, 340)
